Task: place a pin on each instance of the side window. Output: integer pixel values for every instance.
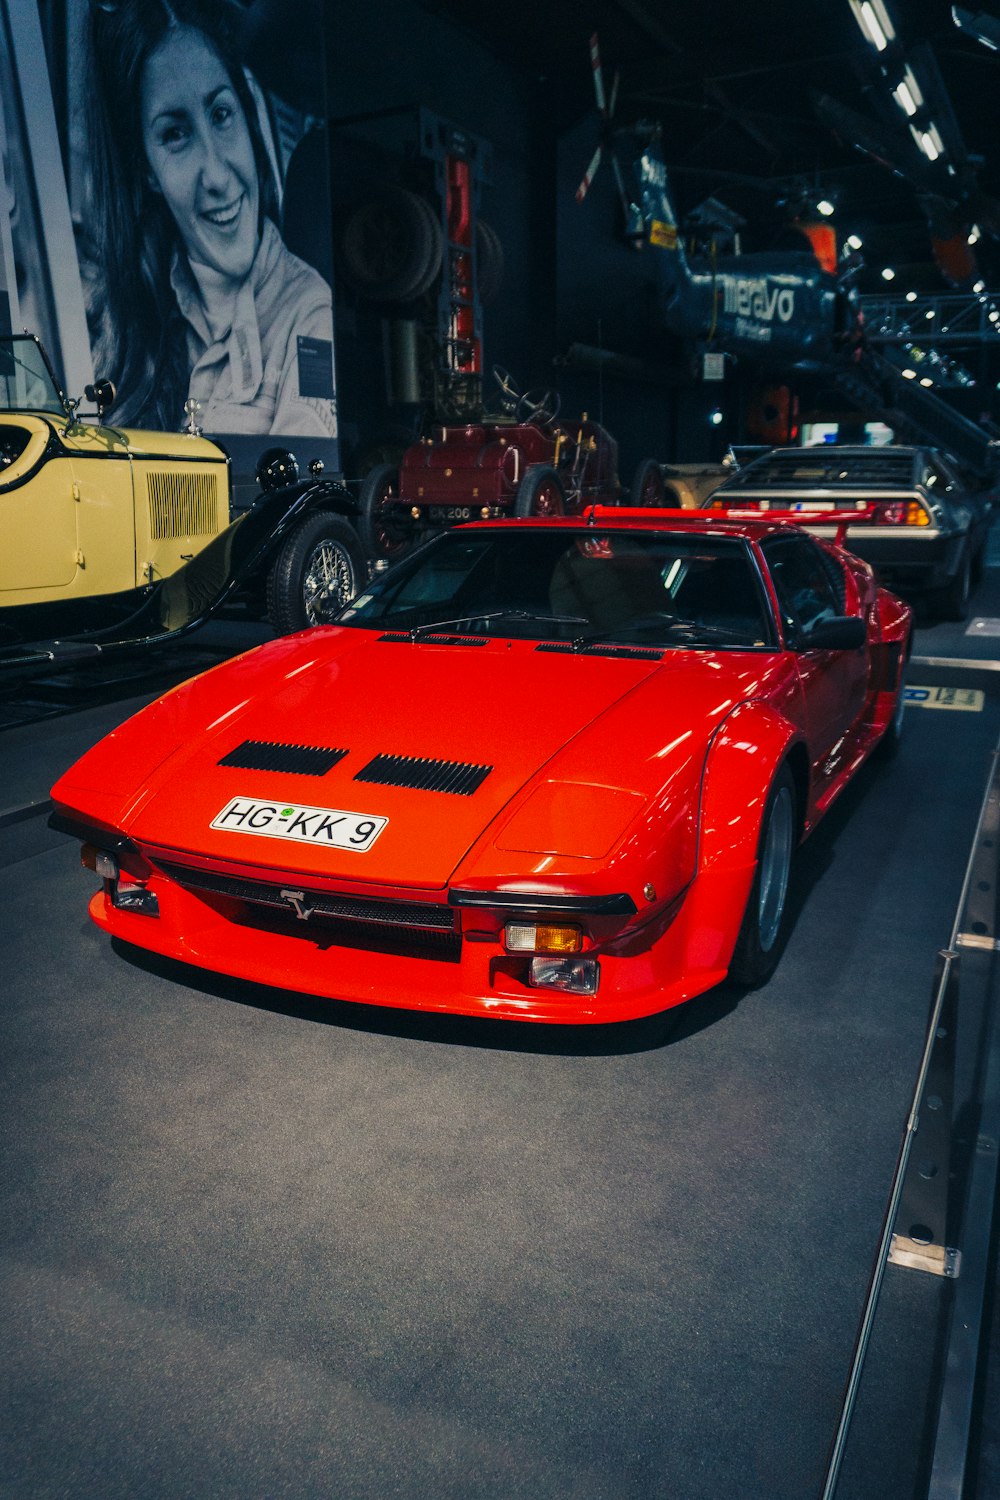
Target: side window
(802, 583)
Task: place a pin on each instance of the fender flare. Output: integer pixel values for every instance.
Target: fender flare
(734, 790)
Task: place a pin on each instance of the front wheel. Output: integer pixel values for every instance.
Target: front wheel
(380, 531)
(758, 946)
(540, 493)
(648, 488)
(319, 567)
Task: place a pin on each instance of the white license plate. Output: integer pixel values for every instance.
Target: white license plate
(327, 826)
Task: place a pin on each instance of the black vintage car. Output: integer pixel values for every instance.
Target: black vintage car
(908, 511)
(112, 537)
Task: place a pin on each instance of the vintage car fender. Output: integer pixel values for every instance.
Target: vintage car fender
(232, 562)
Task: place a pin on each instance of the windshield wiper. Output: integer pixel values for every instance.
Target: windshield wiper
(416, 631)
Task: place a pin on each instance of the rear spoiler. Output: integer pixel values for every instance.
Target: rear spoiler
(841, 519)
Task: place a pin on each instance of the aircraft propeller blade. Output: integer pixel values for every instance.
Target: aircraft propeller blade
(595, 63)
(614, 94)
(590, 174)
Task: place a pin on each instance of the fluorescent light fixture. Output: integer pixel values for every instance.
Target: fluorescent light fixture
(911, 296)
(994, 316)
(825, 207)
(855, 241)
(909, 374)
(929, 313)
(926, 380)
(907, 93)
(929, 141)
(974, 234)
(980, 286)
(873, 18)
(888, 274)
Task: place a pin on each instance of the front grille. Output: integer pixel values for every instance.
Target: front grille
(424, 775)
(628, 653)
(268, 755)
(420, 929)
(182, 504)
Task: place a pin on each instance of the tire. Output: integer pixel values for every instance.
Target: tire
(648, 487)
(319, 567)
(540, 493)
(762, 932)
(379, 538)
(952, 602)
(891, 740)
(392, 246)
(489, 262)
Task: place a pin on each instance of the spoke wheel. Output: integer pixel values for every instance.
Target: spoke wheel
(540, 493)
(319, 567)
(648, 488)
(382, 535)
(759, 944)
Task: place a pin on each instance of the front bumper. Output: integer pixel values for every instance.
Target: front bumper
(644, 970)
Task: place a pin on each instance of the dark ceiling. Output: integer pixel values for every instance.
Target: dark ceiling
(735, 89)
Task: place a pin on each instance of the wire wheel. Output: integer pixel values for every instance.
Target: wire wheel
(648, 488)
(328, 580)
(318, 568)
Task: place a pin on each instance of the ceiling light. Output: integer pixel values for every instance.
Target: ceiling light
(855, 241)
(825, 207)
(873, 18)
(909, 374)
(980, 286)
(929, 313)
(907, 93)
(888, 274)
(994, 316)
(911, 296)
(929, 141)
(715, 417)
(926, 380)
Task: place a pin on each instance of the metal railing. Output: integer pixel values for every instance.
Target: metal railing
(921, 1205)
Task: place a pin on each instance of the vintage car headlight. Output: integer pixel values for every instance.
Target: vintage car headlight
(277, 468)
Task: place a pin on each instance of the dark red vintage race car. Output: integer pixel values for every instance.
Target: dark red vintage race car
(523, 461)
(548, 770)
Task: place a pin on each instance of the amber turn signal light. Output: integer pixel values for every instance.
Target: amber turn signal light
(542, 937)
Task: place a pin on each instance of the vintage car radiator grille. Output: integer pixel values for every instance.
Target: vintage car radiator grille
(424, 775)
(423, 928)
(297, 760)
(182, 504)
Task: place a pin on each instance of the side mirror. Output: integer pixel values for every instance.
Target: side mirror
(840, 633)
(102, 393)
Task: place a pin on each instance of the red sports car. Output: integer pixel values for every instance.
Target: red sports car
(548, 770)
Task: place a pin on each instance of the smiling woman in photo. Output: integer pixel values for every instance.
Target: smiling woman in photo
(194, 293)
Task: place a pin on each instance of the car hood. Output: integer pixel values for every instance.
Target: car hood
(488, 718)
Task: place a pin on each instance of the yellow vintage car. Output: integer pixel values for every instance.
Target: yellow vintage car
(95, 519)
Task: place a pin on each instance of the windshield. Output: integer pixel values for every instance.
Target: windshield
(26, 383)
(580, 586)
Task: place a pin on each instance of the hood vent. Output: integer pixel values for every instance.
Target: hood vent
(627, 653)
(297, 760)
(424, 775)
(398, 637)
